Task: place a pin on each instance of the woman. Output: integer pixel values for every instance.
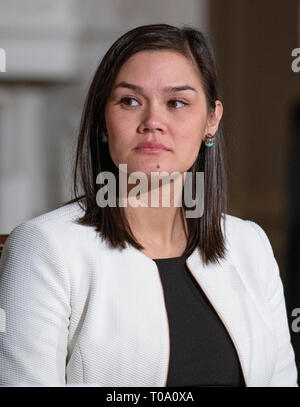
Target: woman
(127, 295)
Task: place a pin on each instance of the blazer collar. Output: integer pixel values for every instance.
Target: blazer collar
(227, 292)
(224, 289)
(233, 300)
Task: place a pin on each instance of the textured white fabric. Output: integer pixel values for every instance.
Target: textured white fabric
(79, 312)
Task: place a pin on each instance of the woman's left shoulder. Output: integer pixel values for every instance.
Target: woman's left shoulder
(250, 251)
(244, 228)
(248, 238)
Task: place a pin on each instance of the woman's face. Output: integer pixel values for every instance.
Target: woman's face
(145, 106)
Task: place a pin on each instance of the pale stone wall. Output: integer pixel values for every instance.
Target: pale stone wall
(52, 49)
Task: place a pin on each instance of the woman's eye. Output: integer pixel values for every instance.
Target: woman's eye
(126, 101)
(177, 101)
(129, 101)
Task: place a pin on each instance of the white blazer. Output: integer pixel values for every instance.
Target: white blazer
(81, 313)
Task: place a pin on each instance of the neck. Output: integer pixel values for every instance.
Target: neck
(158, 226)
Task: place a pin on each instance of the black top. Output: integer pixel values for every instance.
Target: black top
(201, 350)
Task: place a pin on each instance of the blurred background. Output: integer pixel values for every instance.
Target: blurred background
(52, 50)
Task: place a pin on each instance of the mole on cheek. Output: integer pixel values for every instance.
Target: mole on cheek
(158, 166)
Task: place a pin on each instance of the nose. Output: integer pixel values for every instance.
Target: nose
(152, 121)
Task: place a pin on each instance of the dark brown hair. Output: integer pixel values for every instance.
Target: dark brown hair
(93, 155)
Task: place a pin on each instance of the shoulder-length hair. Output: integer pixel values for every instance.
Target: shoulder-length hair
(93, 157)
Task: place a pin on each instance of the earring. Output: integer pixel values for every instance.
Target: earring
(104, 138)
(209, 140)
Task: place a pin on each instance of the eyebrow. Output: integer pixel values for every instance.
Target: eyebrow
(139, 89)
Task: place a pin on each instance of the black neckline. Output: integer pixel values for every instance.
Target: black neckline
(171, 258)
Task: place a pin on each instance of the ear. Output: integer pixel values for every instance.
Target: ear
(214, 118)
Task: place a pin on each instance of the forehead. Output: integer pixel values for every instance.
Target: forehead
(161, 67)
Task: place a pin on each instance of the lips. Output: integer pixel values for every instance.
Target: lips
(151, 145)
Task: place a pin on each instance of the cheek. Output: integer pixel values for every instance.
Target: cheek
(117, 123)
(191, 151)
(120, 132)
(188, 143)
(120, 143)
(189, 137)
(117, 127)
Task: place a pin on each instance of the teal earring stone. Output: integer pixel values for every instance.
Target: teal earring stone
(104, 138)
(209, 140)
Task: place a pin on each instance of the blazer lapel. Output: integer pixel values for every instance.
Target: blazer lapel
(228, 295)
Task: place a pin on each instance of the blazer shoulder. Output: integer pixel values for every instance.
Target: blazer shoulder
(57, 228)
(62, 215)
(248, 238)
(60, 221)
(248, 228)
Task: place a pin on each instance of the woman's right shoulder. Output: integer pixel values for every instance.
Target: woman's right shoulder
(58, 226)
